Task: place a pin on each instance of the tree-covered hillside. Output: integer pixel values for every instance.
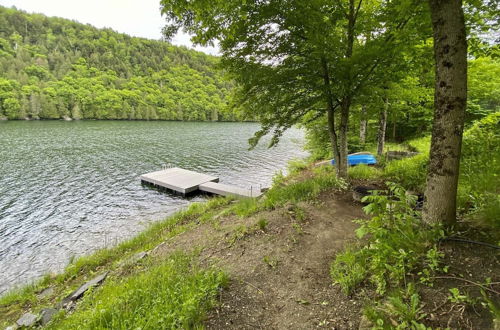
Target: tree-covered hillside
(57, 68)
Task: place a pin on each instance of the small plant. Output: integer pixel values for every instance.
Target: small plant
(348, 270)
(262, 224)
(240, 232)
(270, 261)
(298, 228)
(457, 297)
(401, 310)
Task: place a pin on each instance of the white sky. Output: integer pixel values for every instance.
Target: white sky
(140, 18)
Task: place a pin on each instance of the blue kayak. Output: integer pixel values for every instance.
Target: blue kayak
(356, 159)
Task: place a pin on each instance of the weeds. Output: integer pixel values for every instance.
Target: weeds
(270, 261)
(262, 224)
(397, 243)
(401, 310)
(290, 190)
(174, 294)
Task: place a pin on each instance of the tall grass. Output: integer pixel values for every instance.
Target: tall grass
(172, 295)
(479, 182)
(364, 172)
(291, 189)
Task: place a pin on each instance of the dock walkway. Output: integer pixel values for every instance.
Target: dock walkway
(185, 181)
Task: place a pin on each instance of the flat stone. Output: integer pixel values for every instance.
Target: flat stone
(364, 323)
(46, 293)
(139, 256)
(78, 293)
(47, 314)
(27, 320)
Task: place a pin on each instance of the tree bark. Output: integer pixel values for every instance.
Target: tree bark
(330, 110)
(363, 123)
(343, 129)
(450, 54)
(382, 125)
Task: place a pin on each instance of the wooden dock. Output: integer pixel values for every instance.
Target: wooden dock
(185, 181)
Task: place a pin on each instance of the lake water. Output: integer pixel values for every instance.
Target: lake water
(70, 188)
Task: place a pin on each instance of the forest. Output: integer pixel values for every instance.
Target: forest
(53, 68)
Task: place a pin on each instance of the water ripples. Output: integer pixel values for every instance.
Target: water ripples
(70, 188)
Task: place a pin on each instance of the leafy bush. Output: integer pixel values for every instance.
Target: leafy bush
(172, 295)
(398, 242)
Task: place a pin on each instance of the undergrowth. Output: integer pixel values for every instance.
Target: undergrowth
(397, 243)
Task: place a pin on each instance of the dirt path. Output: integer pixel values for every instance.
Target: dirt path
(280, 275)
(281, 278)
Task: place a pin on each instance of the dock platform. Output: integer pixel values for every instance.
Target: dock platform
(185, 181)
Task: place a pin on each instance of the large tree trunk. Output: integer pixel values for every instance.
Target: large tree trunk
(363, 124)
(450, 53)
(382, 125)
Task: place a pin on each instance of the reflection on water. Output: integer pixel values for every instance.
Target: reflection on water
(69, 188)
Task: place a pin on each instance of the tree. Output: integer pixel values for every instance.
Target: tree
(450, 98)
(293, 58)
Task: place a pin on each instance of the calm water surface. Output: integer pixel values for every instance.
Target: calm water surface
(70, 188)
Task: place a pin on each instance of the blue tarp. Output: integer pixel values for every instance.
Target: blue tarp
(356, 159)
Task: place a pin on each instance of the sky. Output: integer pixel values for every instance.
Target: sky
(140, 18)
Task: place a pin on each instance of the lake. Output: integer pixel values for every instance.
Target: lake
(70, 188)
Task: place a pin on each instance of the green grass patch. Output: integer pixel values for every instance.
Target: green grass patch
(322, 178)
(290, 189)
(408, 172)
(175, 294)
(364, 172)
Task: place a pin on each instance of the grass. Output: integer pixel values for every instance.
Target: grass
(291, 189)
(364, 172)
(174, 294)
(14, 302)
(409, 172)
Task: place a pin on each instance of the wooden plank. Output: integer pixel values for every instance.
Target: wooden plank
(178, 179)
(227, 190)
